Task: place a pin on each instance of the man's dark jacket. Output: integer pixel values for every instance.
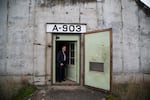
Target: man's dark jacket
(60, 58)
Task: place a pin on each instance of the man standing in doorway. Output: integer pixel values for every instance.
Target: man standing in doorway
(61, 63)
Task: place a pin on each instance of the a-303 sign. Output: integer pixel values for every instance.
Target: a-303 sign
(66, 28)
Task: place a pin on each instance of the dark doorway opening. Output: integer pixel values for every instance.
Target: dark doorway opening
(70, 60)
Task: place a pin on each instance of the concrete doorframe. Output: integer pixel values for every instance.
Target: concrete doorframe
(48, 57)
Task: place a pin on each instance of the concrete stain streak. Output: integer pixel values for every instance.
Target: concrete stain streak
(7, 35)
(52, 3)
(30, 3)
(140, 50)
(122, 57)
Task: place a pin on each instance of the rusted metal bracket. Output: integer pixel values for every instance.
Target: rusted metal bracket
(42, 44)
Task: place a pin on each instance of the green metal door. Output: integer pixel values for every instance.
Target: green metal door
(98, 59)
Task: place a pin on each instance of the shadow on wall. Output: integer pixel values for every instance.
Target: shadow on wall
(52, 3)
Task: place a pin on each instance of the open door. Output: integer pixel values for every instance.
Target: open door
(98, 63)
(72, 61)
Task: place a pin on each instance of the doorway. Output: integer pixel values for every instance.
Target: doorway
(97, 58)
(72, 68)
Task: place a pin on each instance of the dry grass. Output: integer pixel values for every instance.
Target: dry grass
(132, 91)
(8, 88)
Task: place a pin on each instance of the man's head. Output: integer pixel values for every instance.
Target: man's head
(64, 48)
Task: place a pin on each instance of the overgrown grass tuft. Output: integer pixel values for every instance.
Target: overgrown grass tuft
(23, 92)
(8, 88)
(12, 90)
(111, 97)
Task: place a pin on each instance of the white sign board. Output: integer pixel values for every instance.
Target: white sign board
(66, 28)
(146, 2)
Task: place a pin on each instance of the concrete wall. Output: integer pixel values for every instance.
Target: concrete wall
(24, 41)
(3, 36)
(17, 31)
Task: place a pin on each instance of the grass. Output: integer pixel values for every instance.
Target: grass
(8, 88)
(23, 92)
(12, 90)
(111, 97)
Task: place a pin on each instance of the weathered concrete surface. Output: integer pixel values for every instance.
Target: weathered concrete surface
(23, 40)
(67, 94)
(16, 37)
(3, 36)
